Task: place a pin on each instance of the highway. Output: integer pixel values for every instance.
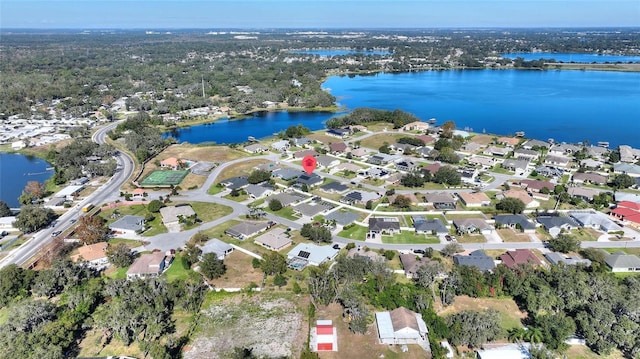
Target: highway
(109, 191)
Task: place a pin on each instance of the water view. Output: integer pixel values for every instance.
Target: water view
(573, 57)
(15, 171)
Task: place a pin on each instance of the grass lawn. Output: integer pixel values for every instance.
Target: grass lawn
(376, 141)
(285, 212)
(239, 169)
(508, 235)
(585, 234)
(498, 169)
(131, 243)
(116, 273)
(136, 210)
(635, 251)
(240, 272)
(583, 352)
(451, 216)
(179, 270)
(467, 238)
(241, 197)
(407, 237)
(510, 315)
(356, 232)
(91, 343)
(215, 189)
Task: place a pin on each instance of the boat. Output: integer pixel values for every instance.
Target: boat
(251, 139)
(520, 134)
(604, 144)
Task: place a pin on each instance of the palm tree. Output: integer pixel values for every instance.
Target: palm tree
(517, 334)
(534, 335)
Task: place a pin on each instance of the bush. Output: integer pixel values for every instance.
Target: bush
(275, 205)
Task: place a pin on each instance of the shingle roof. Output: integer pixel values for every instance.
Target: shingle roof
(622, 260)
(512, 219)
(478, 259)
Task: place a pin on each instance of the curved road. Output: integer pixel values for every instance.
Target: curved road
(105, 193)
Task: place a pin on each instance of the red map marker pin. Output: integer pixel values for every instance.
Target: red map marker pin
(309, 164)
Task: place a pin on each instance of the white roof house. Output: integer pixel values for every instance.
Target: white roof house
(402, 326)
(509, 351)
(311, 254)
(68, 192)
(220, 248)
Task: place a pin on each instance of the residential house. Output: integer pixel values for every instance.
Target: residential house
(312, 209)
(286, 174)
(406, 165)
(522, 195)
(556, 258)
(411, 263)
(325, 161)
(305, 153)
(287, 199)
(535, 186)
(496, 151)
(94, 254)
(416, 126)
(432, 168)
(256, 148)
(426, 139)
(359, 153)
(472, 147)
(473, 200)
(483, 161)
(382, 159)
(516, 222)
(276, 239)
(519, 165)
(564, 149)
(334, 187)
(584, 193)
(478, 259)
(598, 152)
(345, 166)
(246, 229)
(150, 265)
(628, 154)
(620, 262)
(472, 225)
(302, 141)
(339, 148)
(432, 226)
(375, 173)
(171, 163)
(525, 154)
(256, 191)
(591, 164)
(589, 177)
(423, 151)
(561, 161)
(412, 197)
(595, 220)
(128, 226)
(6, 223)
(310, 180)
(69, 193)
(359, 197)
(394, 179)
(281, 146)
(441, 200)
(402, 326)
(508, 141)
(630, 169)
(342, 217)
(547, 171)
(468, 175)
(171, 214)
(555, 224)
(338, 132)
(218, 247)
(384, 225)
(505, 351)
(628, 212)
(532, 144)
(513, 259)
(403, 148)
(324, 337)
(235, 182)
(310, 254)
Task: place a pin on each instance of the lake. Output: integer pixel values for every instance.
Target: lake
(340, 52)
(15, 171)
(571, 106)
(573, 57)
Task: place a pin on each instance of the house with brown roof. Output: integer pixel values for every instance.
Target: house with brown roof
(94, 254)
(276, 239)
(470, 199)
(150, 265)
(472, 225)
(304, 153)
(411, 263)
(339, 148)
(536, 185)
(513, 259)
(589, 177)
(441, 200)
(402, 326)
(416, 126)
(508, 141)
(521, 195)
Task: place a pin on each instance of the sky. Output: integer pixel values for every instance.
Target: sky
(262, 14)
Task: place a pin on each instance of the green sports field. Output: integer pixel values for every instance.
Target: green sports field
(164, 178)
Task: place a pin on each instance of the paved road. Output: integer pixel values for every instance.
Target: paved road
(106, 193)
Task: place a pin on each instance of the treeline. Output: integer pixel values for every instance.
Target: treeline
(363, 115)
(140, 137)
(75, 160)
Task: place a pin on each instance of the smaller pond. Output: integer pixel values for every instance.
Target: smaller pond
(16, 170)
(341, 52)
(572, 57)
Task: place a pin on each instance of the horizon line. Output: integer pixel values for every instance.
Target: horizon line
(331, 28)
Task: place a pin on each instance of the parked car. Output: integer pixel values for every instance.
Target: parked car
(56, 233)
(419, 251)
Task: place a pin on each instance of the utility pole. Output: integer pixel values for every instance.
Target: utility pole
(202, 77)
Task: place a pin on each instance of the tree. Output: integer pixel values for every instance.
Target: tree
(258, 176)
(511, 205)
(212, 267)
(5, 211)
(564, 243)
(428, 273)
(274, 263)
(275, 205)
(92, 229)
(316, 233)
(447, 175)
(402, 202)
(154, 206)
(322, 285)
(279, 280)
(622, 181)
(120, 255)
(15, 283)
(191, 253)
(35, 189)
(450, 249)
(369, 204)
(33, 218)
(385, 148)
(472, 328)
(448, 128)
(412, 180)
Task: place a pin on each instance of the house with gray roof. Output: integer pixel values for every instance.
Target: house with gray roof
(382, 159)
(530, 144)
(276, 239)
(302, 141)
(287, 173)
(341, 217)
(561, 161)
(380, 225)
(334, 187)
(325, 161)
(310, 180)
(406, 165)
(256, 148)
(218, 247)
(171, 214)
(598, 152)
(246, 229)
(281, 145)
(472, 225)
(235, 182)
(259, 190)
(620, 262)
(287, 198)
(312, 209)
(516, 221)
(630, 169)
(523, 153)
(359, 197)
(402, 326)
(556, 258)
(595, 220)
(433, 226)
(310, 254)
(589, 177)
(515, 165)
(496, 151)
(584, 193)
(555, 224)
(478, 259)
(128, 226)
(441, 200)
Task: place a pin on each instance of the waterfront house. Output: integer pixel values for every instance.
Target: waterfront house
(256, 148)
(281, 146)
(416, 126)
(338, 132)
(533, 144)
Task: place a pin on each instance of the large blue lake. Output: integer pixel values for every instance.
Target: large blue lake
(15, 171)
(572, 57)
(571, 106)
